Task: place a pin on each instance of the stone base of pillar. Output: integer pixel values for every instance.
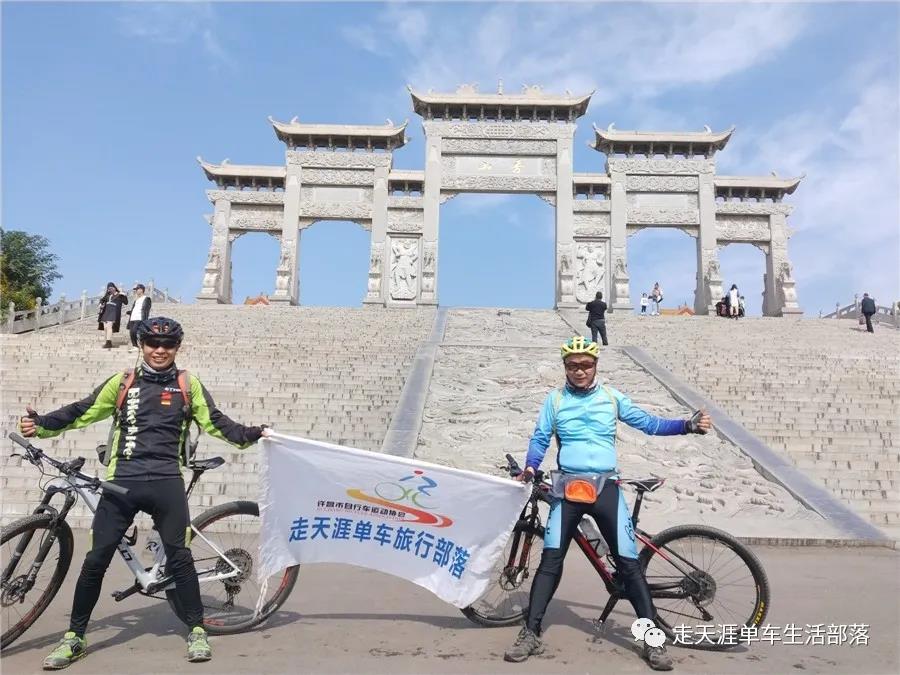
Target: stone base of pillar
(623, 306)
(283, 300)
(374, 302)
(569, 305)
(791, 311)
(211, 300)
(428, 303)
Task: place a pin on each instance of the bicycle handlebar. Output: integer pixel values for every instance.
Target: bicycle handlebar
(35, 455)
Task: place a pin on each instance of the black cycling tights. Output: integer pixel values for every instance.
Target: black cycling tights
(166, 503)
(606, 512)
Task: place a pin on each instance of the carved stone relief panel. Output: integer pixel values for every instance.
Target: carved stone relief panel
(376, 258)
(338, 177)
(405, 202)
(762, 208)
(329, 159)
(212, 273)
(742, 228)
(483, 146)
(662, 200)
(405, 220)
(590, 270)
(510, 130)
(429, 267)
(256, 217)
(638, 216)
(565, 265)
(493, 166)
(334, 194)
(286, 270)
(404, 268)
(246, 197)
(621, 293)
(660, 166)
(335, 210)
(499, 183)
(662, 183)
(591, 206)
(591, 224)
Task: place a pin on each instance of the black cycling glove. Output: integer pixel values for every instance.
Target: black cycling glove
(693, 424)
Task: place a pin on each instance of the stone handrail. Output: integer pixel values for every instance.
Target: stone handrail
(66, 311)
(883, 315)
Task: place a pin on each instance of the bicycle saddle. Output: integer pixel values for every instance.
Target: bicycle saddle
(644, 484)
(206, 464)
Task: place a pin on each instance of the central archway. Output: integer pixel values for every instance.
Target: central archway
(486, 237)
(334, 261)
(665, 255)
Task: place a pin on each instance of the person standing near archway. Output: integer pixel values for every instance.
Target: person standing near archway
(596, 320)
(734, 301)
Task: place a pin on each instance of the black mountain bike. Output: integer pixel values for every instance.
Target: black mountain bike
(704, 583)
(37, 550)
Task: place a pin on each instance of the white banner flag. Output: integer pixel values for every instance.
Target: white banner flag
(439, 527)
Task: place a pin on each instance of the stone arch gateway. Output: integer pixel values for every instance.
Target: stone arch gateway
(504, 143)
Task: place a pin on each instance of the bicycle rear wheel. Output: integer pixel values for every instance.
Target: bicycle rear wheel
(226, 534)
(505, 602)
(707, 586)
(23, 601)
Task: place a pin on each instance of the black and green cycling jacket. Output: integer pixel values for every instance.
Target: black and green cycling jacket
(152, 424)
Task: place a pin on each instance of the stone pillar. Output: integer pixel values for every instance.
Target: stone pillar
(287, 275)
(375, 294)
(780, 285)
(621, 295)
(565, 230)
(215, 288)
(431, 201)
(709, 282)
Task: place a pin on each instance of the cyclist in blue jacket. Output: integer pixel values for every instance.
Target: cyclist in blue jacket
(583, 417)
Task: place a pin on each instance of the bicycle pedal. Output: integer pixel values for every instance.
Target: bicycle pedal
(599, 626)
(118, 596)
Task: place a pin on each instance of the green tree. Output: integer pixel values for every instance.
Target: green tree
(27, 269)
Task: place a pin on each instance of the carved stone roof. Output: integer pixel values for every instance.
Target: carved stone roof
(613, 141)
(531, 102)
(226, 170)
(740, 183)
(351, 136)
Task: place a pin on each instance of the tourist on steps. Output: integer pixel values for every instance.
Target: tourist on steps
(644, 302)
(110, 315)
(582, 416)
(596, 320)
(734, 301)
(867, 307)
(656, 298)
(149, 446)
(139, 312)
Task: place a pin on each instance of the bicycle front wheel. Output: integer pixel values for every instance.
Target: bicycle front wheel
(707, 586)
(225, 537)
(24, 592)
(505, 602)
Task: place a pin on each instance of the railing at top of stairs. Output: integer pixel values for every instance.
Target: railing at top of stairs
(66, 311)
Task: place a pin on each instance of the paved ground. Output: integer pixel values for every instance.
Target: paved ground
(343, 619)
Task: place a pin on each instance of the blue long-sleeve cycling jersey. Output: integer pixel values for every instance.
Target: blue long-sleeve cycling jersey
(585, 426)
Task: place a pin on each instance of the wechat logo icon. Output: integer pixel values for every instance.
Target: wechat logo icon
(644, 630)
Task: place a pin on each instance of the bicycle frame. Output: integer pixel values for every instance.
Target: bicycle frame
(147, 580)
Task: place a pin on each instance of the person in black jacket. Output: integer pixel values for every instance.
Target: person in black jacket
(110, 315)
(597, 318)
(867, 307)
(140, 311)
(148, 450)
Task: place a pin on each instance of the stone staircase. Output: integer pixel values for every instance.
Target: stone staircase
(332, 374)
(823, 391)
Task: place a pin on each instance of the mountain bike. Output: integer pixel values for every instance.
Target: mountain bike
(37, 551)
(698, 575)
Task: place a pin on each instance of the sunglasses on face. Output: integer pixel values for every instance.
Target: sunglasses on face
(156, 343)
(584, 367)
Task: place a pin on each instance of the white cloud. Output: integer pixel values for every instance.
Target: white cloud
(175, 23)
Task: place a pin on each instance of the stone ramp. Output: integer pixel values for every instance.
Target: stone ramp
(821, 391)
(332, 374)
(490, 377)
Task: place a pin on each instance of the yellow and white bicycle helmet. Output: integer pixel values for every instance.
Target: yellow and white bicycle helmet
(580, 345)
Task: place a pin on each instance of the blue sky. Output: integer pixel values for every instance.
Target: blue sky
(106, 105)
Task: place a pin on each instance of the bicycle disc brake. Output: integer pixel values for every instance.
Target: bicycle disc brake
(14, 590)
